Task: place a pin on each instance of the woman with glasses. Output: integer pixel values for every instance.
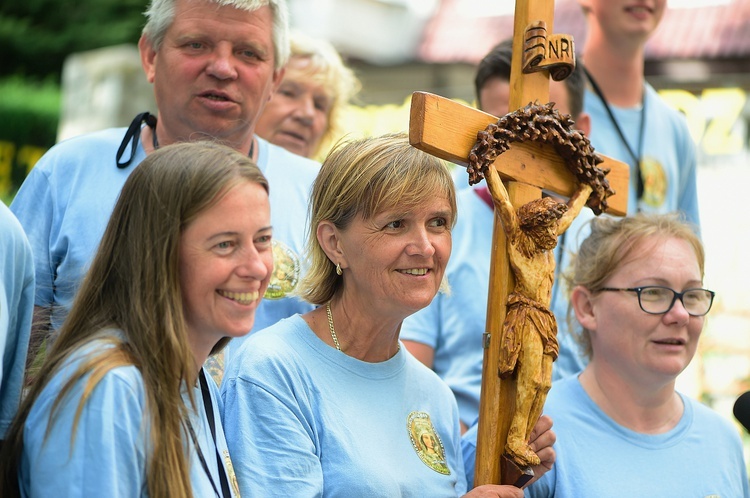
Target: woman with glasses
(636, 288)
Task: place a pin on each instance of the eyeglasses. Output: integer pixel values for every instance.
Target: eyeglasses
(657, 300)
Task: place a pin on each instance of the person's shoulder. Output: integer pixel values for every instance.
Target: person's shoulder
(656, 105)
(120, 382)
(83, 149)
(12, 230)
(705, 415)
(108, 136)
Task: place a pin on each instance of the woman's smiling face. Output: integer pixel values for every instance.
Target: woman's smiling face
(225, 264)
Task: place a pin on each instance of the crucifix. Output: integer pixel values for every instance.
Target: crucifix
(520, 156)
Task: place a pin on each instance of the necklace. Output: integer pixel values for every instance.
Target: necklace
(330, 326)
(636, 157)
(333, 330)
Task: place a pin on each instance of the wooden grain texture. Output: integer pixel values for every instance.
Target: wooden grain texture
(448, 129)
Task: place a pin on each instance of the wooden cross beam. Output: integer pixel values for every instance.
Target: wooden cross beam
(448, 130)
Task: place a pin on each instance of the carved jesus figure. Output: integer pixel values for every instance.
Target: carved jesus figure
(529, 334)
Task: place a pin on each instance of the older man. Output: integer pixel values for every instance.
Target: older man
(214, 65)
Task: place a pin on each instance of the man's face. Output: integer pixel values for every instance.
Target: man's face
(624, 21)
(495, 96)
(214, 72)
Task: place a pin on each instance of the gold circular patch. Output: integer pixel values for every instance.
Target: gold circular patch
(286, 270)
(654, 182)
(426, 442)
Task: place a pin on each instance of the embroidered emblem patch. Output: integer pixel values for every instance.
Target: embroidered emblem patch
(426, 442)
(232, 476)
(654, 182)
(286, 269)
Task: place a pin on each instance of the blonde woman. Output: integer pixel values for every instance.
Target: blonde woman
(328, 403)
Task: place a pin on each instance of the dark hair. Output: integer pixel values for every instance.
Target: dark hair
(497, 64)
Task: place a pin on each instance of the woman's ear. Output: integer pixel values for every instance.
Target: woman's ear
(328, 238)
(581, 300)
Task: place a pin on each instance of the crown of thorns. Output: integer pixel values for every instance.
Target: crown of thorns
(540, 212)
(542, 123)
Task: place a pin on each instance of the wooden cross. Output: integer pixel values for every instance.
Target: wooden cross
(448, 130)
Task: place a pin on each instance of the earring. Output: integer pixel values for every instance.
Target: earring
(338, 269)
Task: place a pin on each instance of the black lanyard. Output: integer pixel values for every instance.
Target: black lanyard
(636, 157)
(133, 136)
(208, 406)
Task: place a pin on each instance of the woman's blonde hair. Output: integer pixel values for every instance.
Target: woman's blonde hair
(326, 68)
(365, 177)
(613, 241)
(133, 286)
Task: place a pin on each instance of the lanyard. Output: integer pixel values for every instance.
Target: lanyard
(208, 406)
(133, 136)
(636, 157)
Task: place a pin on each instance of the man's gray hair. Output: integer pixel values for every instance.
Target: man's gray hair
(160, 14)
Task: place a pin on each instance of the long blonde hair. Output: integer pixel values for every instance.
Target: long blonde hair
(134, 285)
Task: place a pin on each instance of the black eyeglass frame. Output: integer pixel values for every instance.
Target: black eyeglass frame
(675, 296)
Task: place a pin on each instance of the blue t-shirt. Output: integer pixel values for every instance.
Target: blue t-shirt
(700, 457)
(305, 420)
(16, 310)
(110, 453)
(66, 201)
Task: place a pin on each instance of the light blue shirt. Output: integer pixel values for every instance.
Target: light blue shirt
(66, 201)
(16, 310)
(700, 457)
(110, 452)
(305, 420)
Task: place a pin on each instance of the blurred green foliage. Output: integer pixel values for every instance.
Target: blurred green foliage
(37, 35)
(29, 113)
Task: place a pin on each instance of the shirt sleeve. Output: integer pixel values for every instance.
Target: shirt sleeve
(33, 206)
(103, 455)
(16, 309)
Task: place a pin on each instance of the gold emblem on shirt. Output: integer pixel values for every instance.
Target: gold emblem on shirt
(426, 442)
(654, 182)
(286, 270)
